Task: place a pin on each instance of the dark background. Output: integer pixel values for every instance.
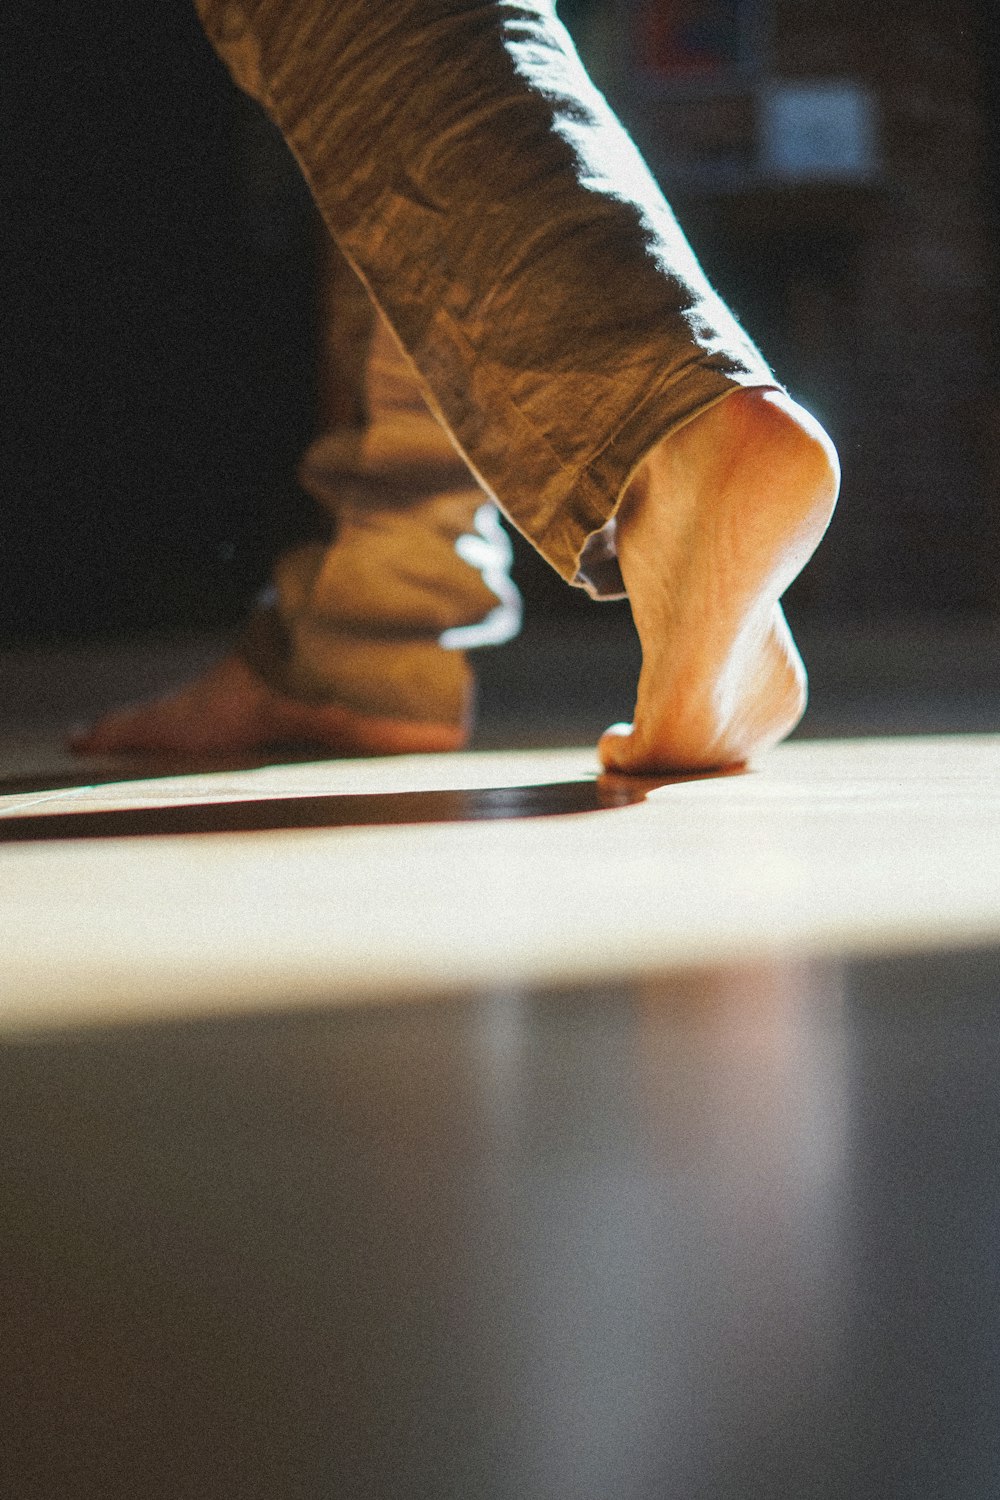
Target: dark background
(158, 287)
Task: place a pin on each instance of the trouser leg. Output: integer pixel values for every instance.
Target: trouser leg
(378, 618)
(509, 231)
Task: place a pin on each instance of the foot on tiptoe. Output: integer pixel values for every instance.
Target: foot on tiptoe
(719, 519)
(231, 710)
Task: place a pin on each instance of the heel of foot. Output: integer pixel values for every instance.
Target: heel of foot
(724, 514)
(801, 461)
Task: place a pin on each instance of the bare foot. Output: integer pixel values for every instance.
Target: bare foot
(717, 522)
(230, 710)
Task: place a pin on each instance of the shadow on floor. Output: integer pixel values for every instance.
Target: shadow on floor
(353, 810)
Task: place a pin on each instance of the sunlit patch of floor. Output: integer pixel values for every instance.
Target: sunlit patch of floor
(526, 869)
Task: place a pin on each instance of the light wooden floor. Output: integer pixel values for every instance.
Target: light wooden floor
(688, 1180)
(826, 847)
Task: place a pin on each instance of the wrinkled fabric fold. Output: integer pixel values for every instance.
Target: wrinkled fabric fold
(416, 571)
(508, 230)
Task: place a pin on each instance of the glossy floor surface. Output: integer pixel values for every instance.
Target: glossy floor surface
(728, 1234)
(335, 882)
(476, 1128)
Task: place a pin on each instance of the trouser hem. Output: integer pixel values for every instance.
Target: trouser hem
(597, 493)
(413, 679)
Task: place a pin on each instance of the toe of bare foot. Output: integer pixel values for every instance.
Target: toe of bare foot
(230, 710)
(219, 711)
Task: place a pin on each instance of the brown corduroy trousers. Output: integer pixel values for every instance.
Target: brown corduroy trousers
(504, 224)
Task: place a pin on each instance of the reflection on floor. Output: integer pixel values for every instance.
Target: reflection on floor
(324, 881)
(731, 1233)
(681, 1182)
